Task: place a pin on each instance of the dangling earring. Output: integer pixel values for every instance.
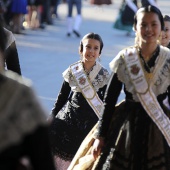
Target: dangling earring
(136, 39)
(160, 38)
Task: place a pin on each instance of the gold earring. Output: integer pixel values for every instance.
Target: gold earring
(160, 38)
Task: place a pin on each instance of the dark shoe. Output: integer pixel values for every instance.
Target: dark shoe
(128, 34)
(68, 34)
(42, 26)
(76, 33)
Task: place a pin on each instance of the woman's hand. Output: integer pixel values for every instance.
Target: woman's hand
(97, 146)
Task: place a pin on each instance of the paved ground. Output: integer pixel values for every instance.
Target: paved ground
(45, 54)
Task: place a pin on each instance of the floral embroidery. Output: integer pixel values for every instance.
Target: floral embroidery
(134, 69)
(82, 80)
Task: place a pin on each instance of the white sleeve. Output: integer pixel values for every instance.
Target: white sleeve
(132, 5)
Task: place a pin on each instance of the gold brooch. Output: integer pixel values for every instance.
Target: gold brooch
(149, 76)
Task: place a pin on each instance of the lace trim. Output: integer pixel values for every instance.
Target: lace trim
(24, 114)
(88, 72)
(99, 81)
(161, 77)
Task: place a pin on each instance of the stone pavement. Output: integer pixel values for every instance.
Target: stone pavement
(45, 54)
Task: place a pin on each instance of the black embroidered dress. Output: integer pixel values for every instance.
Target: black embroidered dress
(74, 116)
(140, 144)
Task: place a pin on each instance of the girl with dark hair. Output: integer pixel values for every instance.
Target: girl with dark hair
(135, 135)
(79, 103)
(166, 33)
(166, 42)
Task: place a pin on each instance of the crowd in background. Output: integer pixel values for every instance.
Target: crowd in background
(127, 10)
(36, 14)
(33, 13)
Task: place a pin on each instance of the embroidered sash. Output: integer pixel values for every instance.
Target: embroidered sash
(145, 93)
(86, 88)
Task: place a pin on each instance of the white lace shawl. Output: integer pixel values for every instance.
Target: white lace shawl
(10, 37)
(161, 79)
(98, 81)
(20, 110)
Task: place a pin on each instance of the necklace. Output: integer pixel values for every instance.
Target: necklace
(149, 65)
(145, 64)
(147, 69)
(88, 71)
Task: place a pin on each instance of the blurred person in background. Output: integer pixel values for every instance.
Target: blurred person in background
(34, 17)
(74, 27)
(125, 17)
(7, 15)
(166, 33)
(148, 2)
(23, 125)
(11, 58)
(55, 11)
(18, 10)
(166, 42)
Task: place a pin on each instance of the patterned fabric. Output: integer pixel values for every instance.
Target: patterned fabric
(133, 140)
(125, 18)
(76, 118)
(23, 115)
(160, 76)
(141, 146)
(98, 82)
